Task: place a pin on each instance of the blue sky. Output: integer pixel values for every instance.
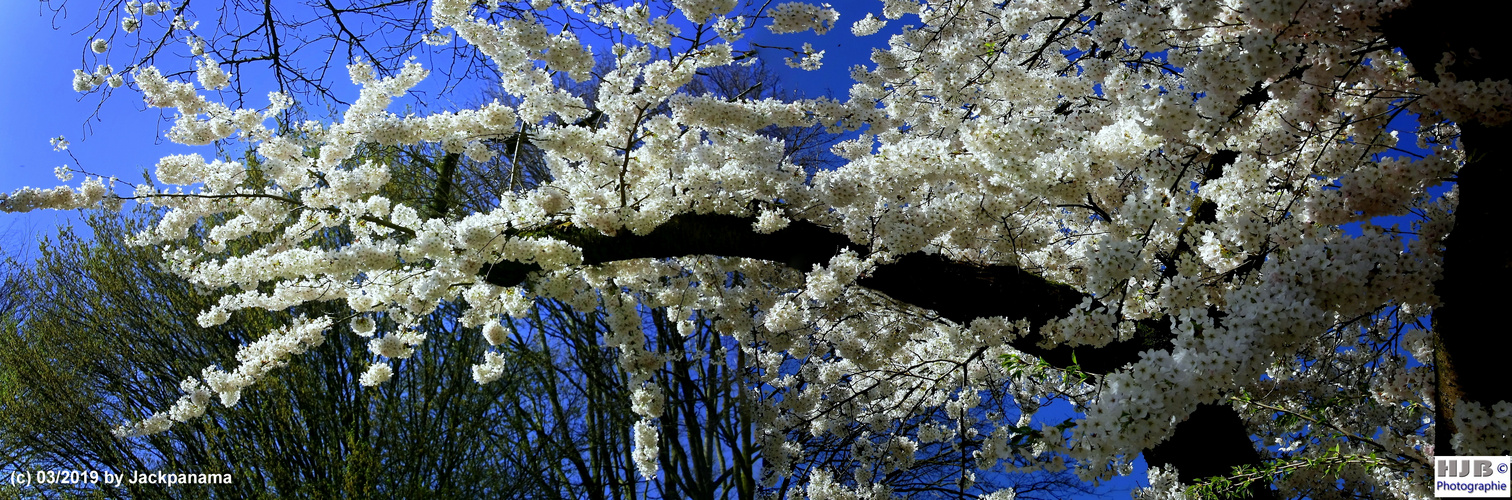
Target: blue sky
(841, 49)
(37, 97)
(121, 137)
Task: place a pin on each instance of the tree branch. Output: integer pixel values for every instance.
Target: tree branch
(1209, 443)
(957, 291)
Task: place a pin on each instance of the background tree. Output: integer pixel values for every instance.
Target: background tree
(106, 335)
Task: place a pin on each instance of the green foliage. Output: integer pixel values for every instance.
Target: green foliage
(1332, 463)
(107, 334)
(1038, 369)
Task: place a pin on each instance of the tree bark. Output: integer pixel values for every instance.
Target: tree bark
(1210, 442)
(1476, 259)
(958, 291)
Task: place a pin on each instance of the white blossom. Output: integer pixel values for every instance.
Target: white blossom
(1197, 171)
(490, 369)
(868, 25)
(495, 333)
(377, 373)
(646, 447)
(793, 17)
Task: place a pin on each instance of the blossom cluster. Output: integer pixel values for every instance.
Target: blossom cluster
(793, 17)
(257, 360)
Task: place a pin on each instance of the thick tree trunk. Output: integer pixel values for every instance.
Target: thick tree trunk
(1477, 262)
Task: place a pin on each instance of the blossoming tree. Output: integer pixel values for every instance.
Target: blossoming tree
(1136, 206)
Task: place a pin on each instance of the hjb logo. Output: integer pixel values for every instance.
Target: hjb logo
(1463, 468)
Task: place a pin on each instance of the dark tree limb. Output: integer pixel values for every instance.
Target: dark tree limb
(1209, 443)
(958, 291)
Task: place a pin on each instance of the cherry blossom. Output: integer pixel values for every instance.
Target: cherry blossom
(1187, 167)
